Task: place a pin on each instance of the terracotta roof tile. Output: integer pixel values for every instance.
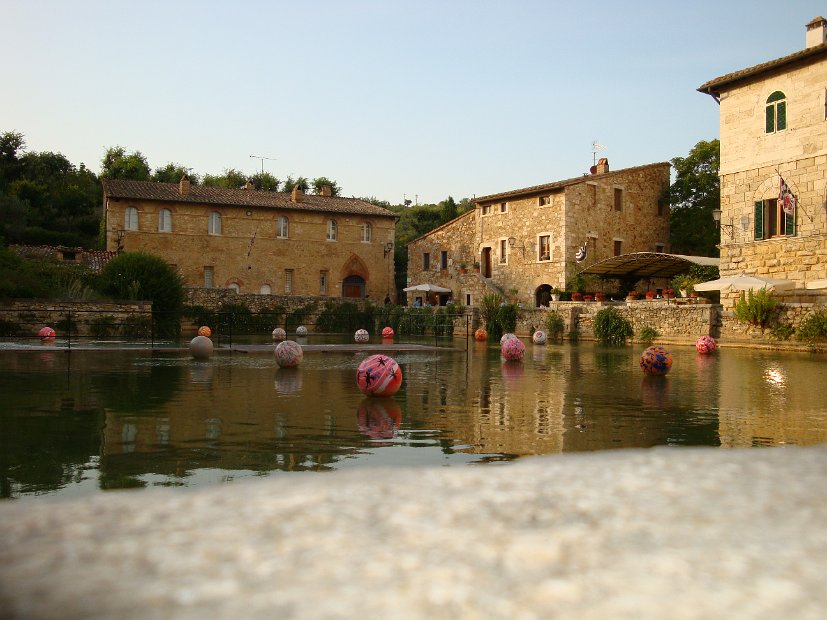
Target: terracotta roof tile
(199, 194)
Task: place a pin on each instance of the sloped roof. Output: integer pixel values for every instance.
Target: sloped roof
(714, 87)
(647, 265)
(199, 194)
(539, 189)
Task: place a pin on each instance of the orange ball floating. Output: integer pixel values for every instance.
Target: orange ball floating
(379, 375)
(204, 331)
(481, 334)
(656, 360)
(387, 332)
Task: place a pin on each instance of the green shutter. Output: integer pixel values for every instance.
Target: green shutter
(759, 219)
(781, 108)
(770, 118)
(789, 224)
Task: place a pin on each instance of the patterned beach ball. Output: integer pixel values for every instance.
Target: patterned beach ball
(379, 375)
(387, 332)
(201, 347)
(481, 334)
(513, 349)
(705, 344)
(361, 335)
(656, 360)
(279, 334)
(539, 337)
(301, 330)
(506, 337)
(204, 331)
(46, 333)
(289, 353)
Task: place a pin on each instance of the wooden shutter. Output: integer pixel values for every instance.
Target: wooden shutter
(759, 219)
(789, 223)
(770, 119)
(781, 115)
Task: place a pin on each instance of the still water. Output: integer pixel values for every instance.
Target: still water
(89, 421)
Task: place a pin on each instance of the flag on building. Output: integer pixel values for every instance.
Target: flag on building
(786, 199)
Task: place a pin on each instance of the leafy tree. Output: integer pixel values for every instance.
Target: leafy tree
(290, 183)
(12, 144)
(694, 194)
(320, 182)
(448, 209)
(230, 179)
(265, 181)
(117, 164)
(172, 173)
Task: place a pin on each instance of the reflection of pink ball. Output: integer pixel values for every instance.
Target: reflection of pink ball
(656, 360)
(705, 344)
(361, 335)
(512, 370)
(289, 353)
(513, 349)
(379, 375)
(539, 337)
(387, 332)
(279, 334)
(379, 418)
(481, 334)
(46, 333)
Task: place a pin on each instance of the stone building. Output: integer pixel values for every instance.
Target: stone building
(774, 146)
(256, 241)
(527, 241)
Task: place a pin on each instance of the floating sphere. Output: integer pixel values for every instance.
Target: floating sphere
(481, 334)
(506, 337)
(361, 335)
(513, 349)
(46, 333)
(387, 332)
(301, 330)
(279, 334)
(201, 347)
(705, 344)
(204, 331)
(656, 360)
(539, 337)
(289, 353)
(379, 375)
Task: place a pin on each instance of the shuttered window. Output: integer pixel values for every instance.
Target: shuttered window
(776, 112)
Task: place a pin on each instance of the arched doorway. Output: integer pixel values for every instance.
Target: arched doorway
(486, 262)
(542, 296)
(354, 286)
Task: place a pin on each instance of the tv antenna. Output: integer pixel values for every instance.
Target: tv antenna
(262, 158)
(596, 147)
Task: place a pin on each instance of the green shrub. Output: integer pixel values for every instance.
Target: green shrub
(554, 325)
(298, 316)
(756, 308)
(782, 331)
(9, 328)
(813, 329)
(611, 328)
(648, 334)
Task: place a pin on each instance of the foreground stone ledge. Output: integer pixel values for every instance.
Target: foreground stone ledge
(662, 533)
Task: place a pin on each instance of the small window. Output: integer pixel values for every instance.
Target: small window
(288, 281)
(771, 220)
(544, 247)
(776, 112)
(443, 260)
(467, 299)
(165, 221)
(618, 199)
(234, 287)
(503, 251)
(208, 277)
(544, 200)
(503, 207)
(618, 247)
(426, 261)
(215, 223)
(366, 232)
(265, 290)
(323, 283)
(130, 220)
(486, 209)
(331, 230)
(282, 227)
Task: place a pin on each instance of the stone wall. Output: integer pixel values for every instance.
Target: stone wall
(30, 315)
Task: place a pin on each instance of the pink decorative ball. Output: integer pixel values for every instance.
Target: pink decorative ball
(705, 344)
(481, 334)
(513, 349)
(361, 335)
(204, 331)
(46, 333)
(379, 375)
(539, 337)
(506, 337)
(387, 332)
(656, 360)
(289, 353)
(279, 334)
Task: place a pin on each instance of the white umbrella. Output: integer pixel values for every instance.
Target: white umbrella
(813, 284)
(743, 282)
(427, 288)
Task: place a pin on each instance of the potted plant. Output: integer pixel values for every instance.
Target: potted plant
(577, 297)
(463, 268)
(476, 266)
(632, 295)
(600, 296)
(555, 294)
(588, 297)
(650, 294)
(668, 293)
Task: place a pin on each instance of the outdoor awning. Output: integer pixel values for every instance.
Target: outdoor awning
(427, 288)
(647, 265)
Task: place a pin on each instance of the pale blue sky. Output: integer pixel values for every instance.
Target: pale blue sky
(426, 98)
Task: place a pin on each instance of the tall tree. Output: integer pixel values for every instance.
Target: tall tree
(320, 182)
(694, 194)
(230, 179)
(290, 183)
(172, 173)
(117, 164)
(448, 209)
(265, 181)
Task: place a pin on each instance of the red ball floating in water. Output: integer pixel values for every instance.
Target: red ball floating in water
(387, 332)
(204, 331)
(46, 333)
(513, 349)
(481, 334)
(705, 344)
(379, 375)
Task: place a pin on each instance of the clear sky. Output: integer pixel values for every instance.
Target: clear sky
(422, 98)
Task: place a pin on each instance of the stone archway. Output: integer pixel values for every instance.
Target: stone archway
(542, 296)
(354, 277)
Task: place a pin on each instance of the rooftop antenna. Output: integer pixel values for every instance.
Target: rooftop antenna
(262, 158)
(596, 147)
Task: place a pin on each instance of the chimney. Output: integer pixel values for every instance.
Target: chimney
(326, 190)
(816, 32)
(298, 194)
(184, 185)
(249, 185)
(601, 167)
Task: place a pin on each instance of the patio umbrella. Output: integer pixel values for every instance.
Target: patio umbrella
(813, 284)
(743, 282)
(427, 288)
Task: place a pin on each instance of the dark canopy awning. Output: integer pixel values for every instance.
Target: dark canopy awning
(647, 265)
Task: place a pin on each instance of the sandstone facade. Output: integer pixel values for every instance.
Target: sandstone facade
(526, 240)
